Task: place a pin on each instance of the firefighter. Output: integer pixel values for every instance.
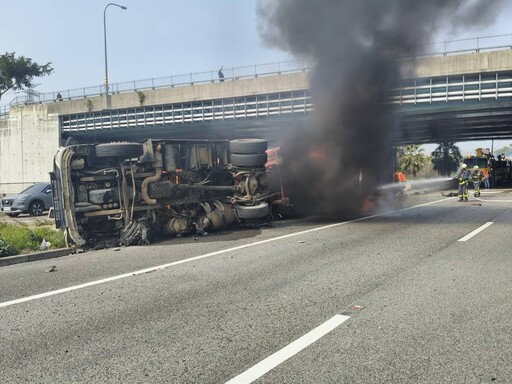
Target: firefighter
(399, 177)
(476, 177)
(464, 176)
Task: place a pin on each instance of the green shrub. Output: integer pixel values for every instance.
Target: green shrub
(24, 239)
(55, 237)
(6, 249)
(17, 235)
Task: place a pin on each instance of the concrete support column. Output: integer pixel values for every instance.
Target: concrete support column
(28, 141)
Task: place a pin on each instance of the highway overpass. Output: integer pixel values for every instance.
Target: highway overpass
(455, 98)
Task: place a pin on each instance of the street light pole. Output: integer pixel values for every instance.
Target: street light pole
(105, 41)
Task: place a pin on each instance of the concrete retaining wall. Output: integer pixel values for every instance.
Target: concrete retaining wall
(28, 141)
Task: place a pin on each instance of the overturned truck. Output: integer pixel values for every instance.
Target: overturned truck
(126, 193)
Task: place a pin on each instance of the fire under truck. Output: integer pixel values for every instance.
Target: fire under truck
(127, 193)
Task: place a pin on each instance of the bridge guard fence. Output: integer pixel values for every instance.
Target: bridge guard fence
(272, 104)
(449, 89)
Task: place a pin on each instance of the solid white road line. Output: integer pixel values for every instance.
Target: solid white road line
(164, 266)
(290, 350)
(494, 200)
(476, 231)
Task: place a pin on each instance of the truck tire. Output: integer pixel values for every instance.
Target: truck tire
(251, 211)
(248, 146)
(119, 150)
(257, 160)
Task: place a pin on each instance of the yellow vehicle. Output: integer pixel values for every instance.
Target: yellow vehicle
(481, 159)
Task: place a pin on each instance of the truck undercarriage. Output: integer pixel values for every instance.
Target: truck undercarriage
(127, 193)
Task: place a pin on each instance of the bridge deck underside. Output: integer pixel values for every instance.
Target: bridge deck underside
(456, 123)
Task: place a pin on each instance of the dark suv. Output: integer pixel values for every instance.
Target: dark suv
(34, 200)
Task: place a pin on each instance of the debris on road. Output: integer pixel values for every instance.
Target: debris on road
(44, 245)
(53, 268)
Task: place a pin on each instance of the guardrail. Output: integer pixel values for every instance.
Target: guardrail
(168, 81)
(468, 45)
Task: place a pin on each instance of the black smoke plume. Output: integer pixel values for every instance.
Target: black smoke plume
(336, 162)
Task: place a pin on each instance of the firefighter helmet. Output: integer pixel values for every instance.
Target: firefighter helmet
(464, 165)
(475, 167)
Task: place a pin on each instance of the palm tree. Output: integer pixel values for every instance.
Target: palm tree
(411, 159)
(446, 158)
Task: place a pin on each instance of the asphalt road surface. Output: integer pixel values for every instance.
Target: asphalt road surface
(418, 291)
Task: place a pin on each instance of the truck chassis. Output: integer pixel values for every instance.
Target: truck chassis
(128, 193)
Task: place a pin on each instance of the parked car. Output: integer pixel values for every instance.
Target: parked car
(34, 200)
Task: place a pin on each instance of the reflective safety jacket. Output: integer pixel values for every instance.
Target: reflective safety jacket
(464, 175)
(476, 175)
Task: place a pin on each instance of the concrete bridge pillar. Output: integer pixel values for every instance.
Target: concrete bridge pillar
(28, 141)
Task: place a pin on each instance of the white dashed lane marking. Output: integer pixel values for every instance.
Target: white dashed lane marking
(476, 231)
(290, 350)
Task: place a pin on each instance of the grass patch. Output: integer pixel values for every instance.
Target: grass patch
(19, 238)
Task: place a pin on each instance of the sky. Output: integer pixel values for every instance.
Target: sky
(155, 38)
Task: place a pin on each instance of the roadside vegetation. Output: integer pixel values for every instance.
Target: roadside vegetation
(446, 158)
(19, 238)
(411, 159)
(443, 161)
(17, 73)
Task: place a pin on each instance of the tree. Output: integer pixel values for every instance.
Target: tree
(411, 159)
(507, 149)
(17, 73)
(446, 158)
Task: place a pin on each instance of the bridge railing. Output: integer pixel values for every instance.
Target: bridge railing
(468, 45)
(255, 106)
(459, 88)
(476, 44)
(168, 81)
